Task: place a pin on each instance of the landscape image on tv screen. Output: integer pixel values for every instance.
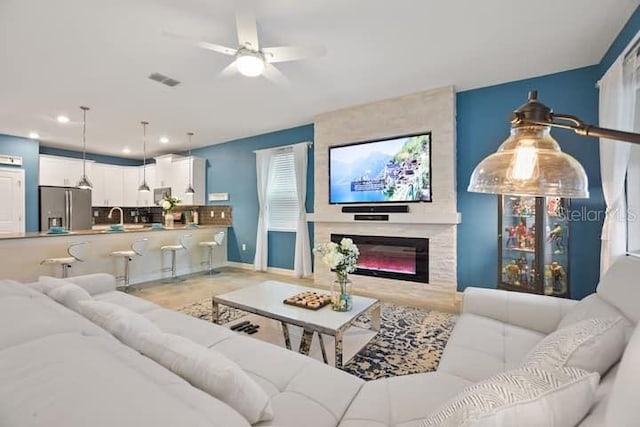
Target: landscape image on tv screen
(390, 170)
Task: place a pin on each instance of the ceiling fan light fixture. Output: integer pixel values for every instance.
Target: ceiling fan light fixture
(250, 63)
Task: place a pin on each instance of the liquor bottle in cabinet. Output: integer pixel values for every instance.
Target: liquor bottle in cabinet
(533, 249)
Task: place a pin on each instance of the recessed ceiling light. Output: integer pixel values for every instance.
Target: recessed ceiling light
(62, 119)
(34, 135)
(164, 139)
(126, 150)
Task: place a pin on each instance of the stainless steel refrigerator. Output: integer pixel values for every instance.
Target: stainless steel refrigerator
(65, 207)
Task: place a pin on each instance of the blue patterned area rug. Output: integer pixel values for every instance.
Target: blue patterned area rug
(410, 340)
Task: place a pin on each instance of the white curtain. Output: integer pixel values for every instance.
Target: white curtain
(632, 85)
(302, 258)
(615, 112)
(263, 159)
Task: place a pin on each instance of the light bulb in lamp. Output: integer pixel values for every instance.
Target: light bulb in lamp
(250, 63)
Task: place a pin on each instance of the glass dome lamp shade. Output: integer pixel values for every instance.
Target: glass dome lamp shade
(250, 63)
(530, 163)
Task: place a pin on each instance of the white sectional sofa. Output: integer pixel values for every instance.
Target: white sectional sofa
(59, 369)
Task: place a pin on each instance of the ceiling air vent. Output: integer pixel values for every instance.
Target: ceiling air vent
(161, 78)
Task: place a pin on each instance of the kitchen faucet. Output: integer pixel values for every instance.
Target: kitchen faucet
(121, 214)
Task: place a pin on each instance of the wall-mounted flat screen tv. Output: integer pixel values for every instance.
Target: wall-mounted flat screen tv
(390, 170)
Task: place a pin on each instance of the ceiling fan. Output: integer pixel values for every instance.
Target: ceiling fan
(250, 59)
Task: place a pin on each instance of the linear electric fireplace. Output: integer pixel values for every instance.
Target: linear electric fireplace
(402, 258)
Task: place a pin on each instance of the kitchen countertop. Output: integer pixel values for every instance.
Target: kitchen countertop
(103, 229)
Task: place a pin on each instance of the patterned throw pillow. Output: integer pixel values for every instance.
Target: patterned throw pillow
(592, 344)
(524, 397)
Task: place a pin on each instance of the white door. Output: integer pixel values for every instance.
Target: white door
(12, 210)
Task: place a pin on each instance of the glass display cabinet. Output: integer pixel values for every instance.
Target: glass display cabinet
(533, 250)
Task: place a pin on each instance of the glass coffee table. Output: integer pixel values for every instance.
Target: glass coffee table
(266, 299)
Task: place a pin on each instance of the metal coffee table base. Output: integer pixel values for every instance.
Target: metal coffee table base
(307, 335)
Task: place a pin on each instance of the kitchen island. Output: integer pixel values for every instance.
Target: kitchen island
(21, 253)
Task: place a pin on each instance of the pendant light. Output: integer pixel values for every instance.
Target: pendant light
(144, 188)
(84, 182)
(190, 189)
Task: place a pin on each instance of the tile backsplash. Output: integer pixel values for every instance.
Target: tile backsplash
(207, 215)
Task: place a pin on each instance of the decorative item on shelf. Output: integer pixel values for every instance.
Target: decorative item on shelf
(556, 238)
(556, 280)
(84, 182)
(168, 204)
(342, 259)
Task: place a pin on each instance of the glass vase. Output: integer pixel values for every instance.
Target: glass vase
(168, 220)
(341, 293)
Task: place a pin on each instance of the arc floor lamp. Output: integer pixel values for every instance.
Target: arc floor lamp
(530, 163)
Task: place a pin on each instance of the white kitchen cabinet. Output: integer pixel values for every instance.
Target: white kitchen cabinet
(60, 171)
(108, 182)
(173, 171)
(132, 178)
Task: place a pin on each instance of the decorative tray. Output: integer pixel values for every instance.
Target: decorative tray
(309, 300)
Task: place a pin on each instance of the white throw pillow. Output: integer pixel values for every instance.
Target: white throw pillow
(210, 371)
(524, 397)
(69, 295)
(47, 283)
(123, 323)
(593, 345)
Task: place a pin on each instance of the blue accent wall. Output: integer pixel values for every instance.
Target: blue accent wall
(28, 150)
(481, 126)
(231, 168)
(625, 36)
(99, 158)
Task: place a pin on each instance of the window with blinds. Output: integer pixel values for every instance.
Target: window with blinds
(281, 193)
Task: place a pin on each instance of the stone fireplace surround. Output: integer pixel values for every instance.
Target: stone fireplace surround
(434, 111)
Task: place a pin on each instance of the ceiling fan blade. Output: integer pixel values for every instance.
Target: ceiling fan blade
(246, 25)
(217, 48)
(229, 70)
(292, 53)
(202, 44)
(275, 75)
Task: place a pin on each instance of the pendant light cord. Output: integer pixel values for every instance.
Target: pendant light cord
(84, 140)
(190, 134)
(144, 152)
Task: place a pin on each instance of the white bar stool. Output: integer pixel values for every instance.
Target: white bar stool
(137, 249)
(218, 238)
(76, 252)
(175, 248)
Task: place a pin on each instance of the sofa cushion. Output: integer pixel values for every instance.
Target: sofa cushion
(48, 283)
(593, 345)
(28, 315)
(623, 409)
(401, 401)
(69, 295)
(492, 345)
(123, 299)
(124, 324)
(319, 389)
(617, 287)
(209, 371)
(200, 331)
(73, 380)
(526, 397)
(591, 307)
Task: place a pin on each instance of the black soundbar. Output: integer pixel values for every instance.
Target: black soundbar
(370, 217)
(376, 209)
